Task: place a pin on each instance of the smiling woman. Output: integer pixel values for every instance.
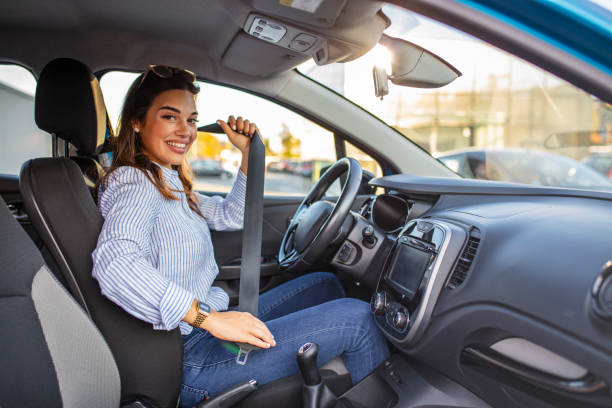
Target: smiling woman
(154, 256)
(169, 127)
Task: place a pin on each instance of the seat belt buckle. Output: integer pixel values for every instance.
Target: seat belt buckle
(243, 352)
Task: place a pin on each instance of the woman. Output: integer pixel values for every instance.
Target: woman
(155, 257)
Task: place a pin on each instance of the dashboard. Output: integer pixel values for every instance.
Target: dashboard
(493, 284)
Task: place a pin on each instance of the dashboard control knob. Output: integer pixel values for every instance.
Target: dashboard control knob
(401, 319)
(378, 303)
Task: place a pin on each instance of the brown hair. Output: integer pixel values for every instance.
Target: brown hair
(127, 147)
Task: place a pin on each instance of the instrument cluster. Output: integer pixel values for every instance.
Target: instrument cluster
(388, 212)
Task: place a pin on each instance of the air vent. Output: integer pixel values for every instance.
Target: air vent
(465, 260)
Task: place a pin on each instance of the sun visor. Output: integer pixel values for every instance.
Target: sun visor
(260, 58)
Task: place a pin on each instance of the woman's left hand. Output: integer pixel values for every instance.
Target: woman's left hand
(239, 131)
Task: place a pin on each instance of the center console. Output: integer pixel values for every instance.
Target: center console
(415, 272)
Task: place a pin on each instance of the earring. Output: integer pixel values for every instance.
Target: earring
(136, 130)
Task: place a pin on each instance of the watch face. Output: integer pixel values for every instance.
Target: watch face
(204, 307)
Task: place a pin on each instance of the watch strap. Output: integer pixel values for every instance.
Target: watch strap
(203, 310)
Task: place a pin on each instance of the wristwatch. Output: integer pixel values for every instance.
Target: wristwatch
(203, 310)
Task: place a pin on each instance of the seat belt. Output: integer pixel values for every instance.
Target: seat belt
(250, 267)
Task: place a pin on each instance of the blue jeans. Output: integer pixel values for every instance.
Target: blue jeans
(309, 308)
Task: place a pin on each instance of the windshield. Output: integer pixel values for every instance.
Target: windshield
(499, 102)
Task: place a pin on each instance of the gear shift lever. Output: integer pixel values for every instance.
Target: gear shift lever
(307, 360)
(315, 393)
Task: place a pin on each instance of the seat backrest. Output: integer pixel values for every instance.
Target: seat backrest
(64, 214)
(51, 353)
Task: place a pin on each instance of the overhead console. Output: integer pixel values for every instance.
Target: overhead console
(419, 264)
(283, 34)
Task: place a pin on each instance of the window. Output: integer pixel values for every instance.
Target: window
(367, 162)
(296, 148)
(501, 111)
(20, 137)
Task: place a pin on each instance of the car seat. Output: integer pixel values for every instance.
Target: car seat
(51, 354)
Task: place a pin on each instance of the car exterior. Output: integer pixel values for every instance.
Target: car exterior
(209, 168)
(600, 161)
(524, 166)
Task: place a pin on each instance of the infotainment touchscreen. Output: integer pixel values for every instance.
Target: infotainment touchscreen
(408, 267)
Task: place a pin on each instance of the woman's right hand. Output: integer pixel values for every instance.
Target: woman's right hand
(238, 327)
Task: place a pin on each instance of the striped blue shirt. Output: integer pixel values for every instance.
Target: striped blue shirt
(154, 255)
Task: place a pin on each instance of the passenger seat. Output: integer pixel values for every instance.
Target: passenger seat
(51, 354)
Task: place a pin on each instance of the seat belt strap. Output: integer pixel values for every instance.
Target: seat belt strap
(253, 224)
(250, 267)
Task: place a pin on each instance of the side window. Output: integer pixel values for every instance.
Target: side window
(296, 148)
(20, 138)
(367, 162)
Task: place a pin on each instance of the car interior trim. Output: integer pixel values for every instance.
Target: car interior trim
(589, 384)
(539, 358)
(410, 183)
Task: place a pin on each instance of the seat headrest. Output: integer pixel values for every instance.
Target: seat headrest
(69, 103)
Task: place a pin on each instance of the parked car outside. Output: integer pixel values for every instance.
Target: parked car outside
(277, 166)
(600, 161)
(209, 168)
(524, 166)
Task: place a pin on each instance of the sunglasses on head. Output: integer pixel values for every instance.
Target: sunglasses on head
(166, 72)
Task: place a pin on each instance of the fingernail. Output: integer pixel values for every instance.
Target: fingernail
(218, 122)
(267, 345)
(274, 342)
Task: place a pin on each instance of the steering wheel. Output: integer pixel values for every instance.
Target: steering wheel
(316, 223)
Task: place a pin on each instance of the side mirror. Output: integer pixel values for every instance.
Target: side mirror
(413, 66)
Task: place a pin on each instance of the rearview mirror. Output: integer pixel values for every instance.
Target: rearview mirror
(413, 66)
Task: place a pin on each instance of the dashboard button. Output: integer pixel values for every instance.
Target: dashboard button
(400, 319)
(378, 303)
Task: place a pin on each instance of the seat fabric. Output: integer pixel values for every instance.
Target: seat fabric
(52, 355)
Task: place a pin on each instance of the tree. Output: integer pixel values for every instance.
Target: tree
(291, 145)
